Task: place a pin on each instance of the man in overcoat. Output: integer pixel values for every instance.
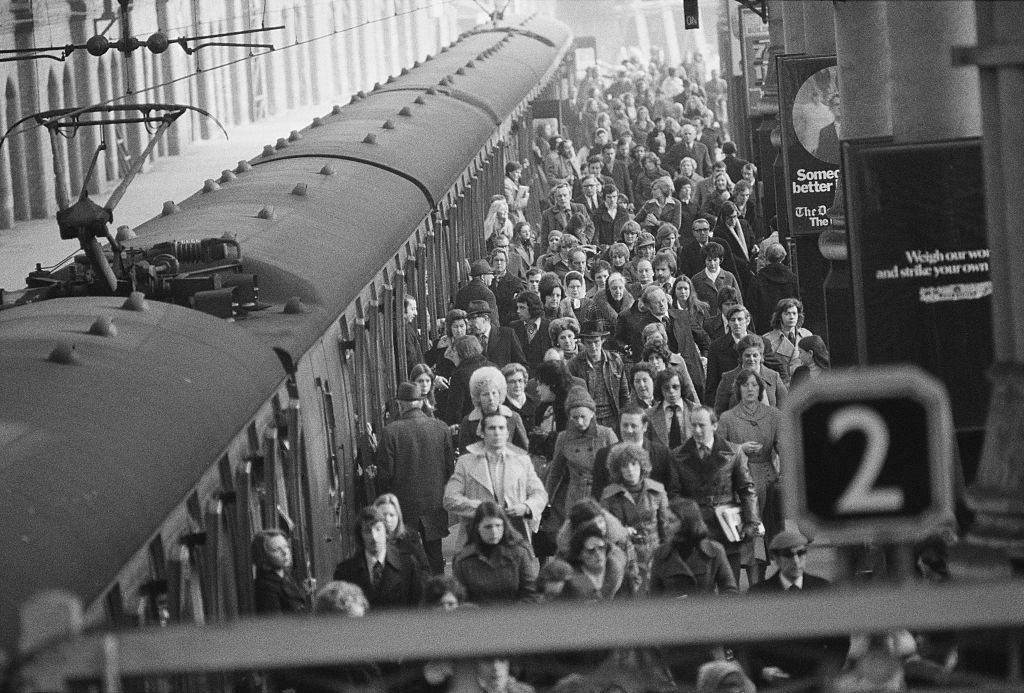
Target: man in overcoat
(492, 470)
(388, 577)
(415, 458)
(714, 473)
(500, 344)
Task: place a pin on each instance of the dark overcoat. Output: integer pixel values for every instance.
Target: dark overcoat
(723, 477)
(704, 571)
(415, 458)
(401, 584)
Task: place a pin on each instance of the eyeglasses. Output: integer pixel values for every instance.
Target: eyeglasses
(600, 548)
(793, 553)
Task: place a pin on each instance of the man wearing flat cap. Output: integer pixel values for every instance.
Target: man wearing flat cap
(500, 344)
(603, 371)
(415, 458)
(479, 289)
(788, 551)
(780, 663)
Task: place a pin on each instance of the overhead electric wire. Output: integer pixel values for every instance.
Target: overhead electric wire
(236, 61)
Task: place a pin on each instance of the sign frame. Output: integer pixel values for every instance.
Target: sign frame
(893, 320)
(907, 382)
(813, 184)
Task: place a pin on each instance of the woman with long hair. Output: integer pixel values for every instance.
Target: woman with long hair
(496, 565)
(690, 563)
(497, 221)
(405, 540)
(422, 376)
(814, 359)
(686, 300)
(786, 332)
(597, 574)
(443, 357)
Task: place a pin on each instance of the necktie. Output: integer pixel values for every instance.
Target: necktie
(378, 573)
(483, 342)
(675, 432)
(793, 588)
(702, 452)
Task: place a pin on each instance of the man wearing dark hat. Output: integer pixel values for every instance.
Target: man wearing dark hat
(415, 458)
(479, 289)
(603, 371)
(500, 344)
(788, 551)
(801, 658)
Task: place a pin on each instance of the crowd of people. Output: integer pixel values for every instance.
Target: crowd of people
(599, 418)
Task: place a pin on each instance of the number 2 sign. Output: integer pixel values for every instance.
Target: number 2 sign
(868, 454)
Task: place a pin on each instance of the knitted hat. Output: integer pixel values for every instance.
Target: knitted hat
(579, 397)
(645, 239)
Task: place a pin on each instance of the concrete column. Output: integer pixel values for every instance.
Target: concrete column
(6, 180)
(999, 485)
(339, 74)
(668, 21)
(36, 143)
(931, 99)
(171, 92)
(643, 36)
(819, 28)
(865, 68)
(353, 43)
(204, 80)
(792, 14)
(865, 89)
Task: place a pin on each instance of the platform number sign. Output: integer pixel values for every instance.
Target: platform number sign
(691, 14)
(867, 455)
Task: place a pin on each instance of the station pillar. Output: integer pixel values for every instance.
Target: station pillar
(792, 25)
(931, 99)
(997, 494)
(819, 28)
(865, 90)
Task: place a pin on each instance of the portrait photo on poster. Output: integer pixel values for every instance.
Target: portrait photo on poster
(817, 116)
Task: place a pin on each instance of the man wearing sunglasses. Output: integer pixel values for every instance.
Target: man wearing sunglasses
(779, 663)
(788, 551)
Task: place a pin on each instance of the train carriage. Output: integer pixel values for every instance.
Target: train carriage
(141, 462)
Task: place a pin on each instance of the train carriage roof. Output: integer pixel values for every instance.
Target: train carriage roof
(94, 455)
(322, 247)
